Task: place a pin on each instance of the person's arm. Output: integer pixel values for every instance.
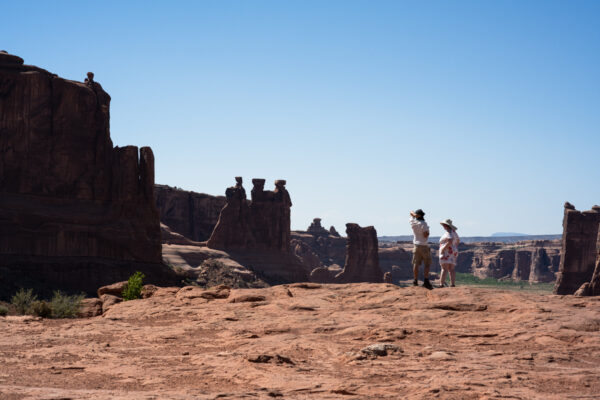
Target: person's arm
(426, 234)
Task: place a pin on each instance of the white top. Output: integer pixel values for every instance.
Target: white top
(448, 254)
(419, 228)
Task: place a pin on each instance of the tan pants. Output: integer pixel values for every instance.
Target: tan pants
(421, 254)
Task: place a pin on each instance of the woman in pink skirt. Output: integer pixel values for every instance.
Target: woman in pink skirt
(448, 252)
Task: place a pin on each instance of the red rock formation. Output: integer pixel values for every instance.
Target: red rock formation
(595, 281)
(75, 213)
(540, 267)
(362, 256)
(193, 215)
(257, 233)
(315, 228)
(579, 249)
(233, 230)
(522, 268)
(270, 216)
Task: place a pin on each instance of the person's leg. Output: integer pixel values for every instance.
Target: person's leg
(453, 275)
(417, 259)
(427, 261)
(444, 275)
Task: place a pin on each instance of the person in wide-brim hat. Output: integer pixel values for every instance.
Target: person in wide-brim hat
(448, 222)
(448, 252)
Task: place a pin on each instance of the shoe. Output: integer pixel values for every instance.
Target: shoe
(443, 285)
(415, 283)
(452, 285)
(427, 284)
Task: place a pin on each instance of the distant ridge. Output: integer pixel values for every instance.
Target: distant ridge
(502, 234)
(475, 239)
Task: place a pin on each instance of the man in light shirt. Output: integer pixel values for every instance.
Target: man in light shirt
(421, 252)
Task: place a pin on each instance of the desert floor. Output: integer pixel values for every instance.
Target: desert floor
(306, 341)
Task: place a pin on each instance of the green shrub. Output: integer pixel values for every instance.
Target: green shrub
(3, 311)
(64, 306)
(40, 308)
(133, 290)
(22, 300)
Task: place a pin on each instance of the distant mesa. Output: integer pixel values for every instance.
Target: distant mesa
(508, 234)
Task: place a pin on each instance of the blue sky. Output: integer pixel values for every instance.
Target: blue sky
(483, 112)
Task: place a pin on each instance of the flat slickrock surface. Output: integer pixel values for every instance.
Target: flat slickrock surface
(308, 341)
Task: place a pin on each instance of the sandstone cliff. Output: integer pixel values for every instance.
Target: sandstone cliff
(362, 258)
(75, 212)
(579, 248)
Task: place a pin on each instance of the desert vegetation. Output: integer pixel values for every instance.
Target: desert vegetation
(61, 305)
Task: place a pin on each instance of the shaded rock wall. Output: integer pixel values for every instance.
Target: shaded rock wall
(579, 248)
(193, 215)
(70, 203)
(362, 256)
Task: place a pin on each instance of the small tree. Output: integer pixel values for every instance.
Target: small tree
(40, 308)
(64, 306)
(3, 311)
(22, 300)
(133, 290)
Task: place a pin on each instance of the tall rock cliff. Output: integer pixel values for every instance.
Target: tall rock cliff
(75, 212)
(362, 256)
(579, 248)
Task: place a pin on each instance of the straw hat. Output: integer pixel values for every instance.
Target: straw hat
(449, 223)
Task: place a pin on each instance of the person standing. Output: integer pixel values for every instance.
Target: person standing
(448, 252)
(421, 252)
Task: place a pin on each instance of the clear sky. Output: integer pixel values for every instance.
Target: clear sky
(485, 112)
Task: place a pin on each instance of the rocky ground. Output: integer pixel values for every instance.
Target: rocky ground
(308, 341)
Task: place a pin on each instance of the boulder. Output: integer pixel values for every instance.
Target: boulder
(322, 275)
(115, 289)
(108, 300)
(584, 290)
(90, 307)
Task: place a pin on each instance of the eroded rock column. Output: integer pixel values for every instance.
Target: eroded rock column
(579, 248)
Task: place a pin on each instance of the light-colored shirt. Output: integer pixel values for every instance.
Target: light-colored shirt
(420, 228)
(449, 253)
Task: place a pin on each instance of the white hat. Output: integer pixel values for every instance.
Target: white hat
(449, 223)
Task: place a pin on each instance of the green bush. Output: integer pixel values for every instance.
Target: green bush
(3, 311)
(41, 309)
(22, 300)
(64, 306)
(133, 290)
